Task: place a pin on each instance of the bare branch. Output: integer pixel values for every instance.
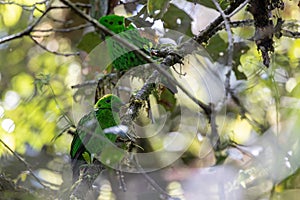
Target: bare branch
(214, 130)
(75, 28)
(30, 28)
(152, 182)
(25, 32)
(24, 162)
(240, 7)
(213, 27)
(54, 52)
(291, 34)
(85, 84)
(250, 22)
(25, 7)
(229, 33)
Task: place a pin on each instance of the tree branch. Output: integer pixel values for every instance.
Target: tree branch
(25, 32)
(24, 162)
(30, 28)
(53, 52)
(229, 33)
(291, 34)
(25, 7)
(160, 68)
(207, 33)
(75, 28)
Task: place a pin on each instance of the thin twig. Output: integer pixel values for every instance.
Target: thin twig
(240, 7)
(213, 27)
(27, 31)
(30, 28)
(242, 23)
(53, 52)
(75, 28)
(151, 181)
(64, 22)
(214, 130)
(23, 5)
(65, 116)
(85, 84)
(34, 5)
(25, 163)
(229, 34)
(291, 34)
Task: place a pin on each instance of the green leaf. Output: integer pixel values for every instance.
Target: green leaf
(165, 97)
(240, 48)
(41, 80)
(292, 194)
(238, 74)
(296, 91)
(290, 182)
(87, 157)
(177, 19)
(210, 4)
(217, 45)
(89, 41)
(157, 8)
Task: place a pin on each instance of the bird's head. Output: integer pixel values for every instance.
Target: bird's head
(114, 23)
(109, 101)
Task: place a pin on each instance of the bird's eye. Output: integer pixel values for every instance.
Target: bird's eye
(111, 22)
(108, 101)
(120, 22)
(105, 20)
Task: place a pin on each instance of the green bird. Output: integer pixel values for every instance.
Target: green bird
(122, 57)
(90, 138)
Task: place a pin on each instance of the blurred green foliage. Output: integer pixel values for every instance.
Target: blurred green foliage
(35, 95)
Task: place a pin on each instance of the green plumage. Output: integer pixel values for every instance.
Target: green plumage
(89, 138)
(123, 59)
